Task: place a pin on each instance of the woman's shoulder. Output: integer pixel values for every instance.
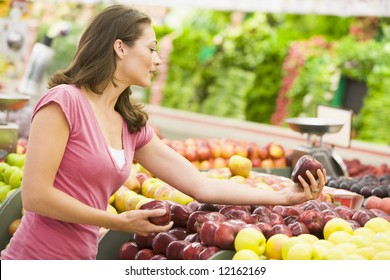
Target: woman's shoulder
(66, 89)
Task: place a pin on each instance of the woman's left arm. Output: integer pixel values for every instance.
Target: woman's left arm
(171, 167)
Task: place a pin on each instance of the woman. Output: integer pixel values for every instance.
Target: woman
(84, 135)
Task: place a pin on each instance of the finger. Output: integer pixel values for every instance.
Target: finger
(154, 212)
(305, 185)
(313, 181)
(322, 178)
(156, 228)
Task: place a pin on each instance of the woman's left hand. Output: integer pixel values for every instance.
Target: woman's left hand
(310, 191)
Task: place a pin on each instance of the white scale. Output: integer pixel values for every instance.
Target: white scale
(333, 128)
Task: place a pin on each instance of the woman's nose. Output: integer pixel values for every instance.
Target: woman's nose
(156, 59)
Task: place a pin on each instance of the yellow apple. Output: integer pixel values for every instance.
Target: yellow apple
(367, 252)
(308, 238)
(354, 257)
(320, 247)
(360, 240)
(239, 165)
(378, 224)
(133, 201)
(145, 185)
(347, 247)
(111, 199)
(163, 192)
(250, 239)
(336, 224)
(288, 244)
(180, 197)
(302, 251)
(384, 255)
(273, 246)
(366, 232)
(338, 237)
(142, 202)
(133, 183)
(319, 251)
(246, 255)
(334, 254)
(121, 200)
(152, 188)
(111, 209)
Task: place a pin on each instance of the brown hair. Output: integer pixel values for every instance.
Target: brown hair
(93, 65)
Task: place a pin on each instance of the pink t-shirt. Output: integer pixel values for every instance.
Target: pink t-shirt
(87, 172)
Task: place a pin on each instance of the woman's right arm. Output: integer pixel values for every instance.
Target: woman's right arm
(48, 138)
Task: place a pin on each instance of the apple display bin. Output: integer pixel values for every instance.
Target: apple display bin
(111, 241)
(10, 210)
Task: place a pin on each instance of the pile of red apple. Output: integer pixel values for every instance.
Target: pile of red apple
(215, 153)
(201, 230)
(356, 168)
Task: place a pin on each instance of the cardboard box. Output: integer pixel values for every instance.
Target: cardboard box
(344, 197)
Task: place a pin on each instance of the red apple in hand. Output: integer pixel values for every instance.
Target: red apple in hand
(158, 204)
(305, 163)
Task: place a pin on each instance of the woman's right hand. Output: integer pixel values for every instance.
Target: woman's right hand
(137, 221)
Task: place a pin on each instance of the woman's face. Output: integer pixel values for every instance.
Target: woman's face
(139, 62)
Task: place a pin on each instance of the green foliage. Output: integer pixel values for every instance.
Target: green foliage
(314, 86)
(227, 95)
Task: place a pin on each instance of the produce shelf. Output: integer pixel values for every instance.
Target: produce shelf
(110, 243)
(10, 210)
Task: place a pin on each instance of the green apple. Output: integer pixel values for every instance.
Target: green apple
(13, 159)
(3, 167)
(246, 255)
(20, 161)
(8, 172)
(10, 193)
(15, 180)
(336, 224)
(4, 191)
(250, 239)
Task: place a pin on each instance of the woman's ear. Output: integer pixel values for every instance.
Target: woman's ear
(118, 48)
